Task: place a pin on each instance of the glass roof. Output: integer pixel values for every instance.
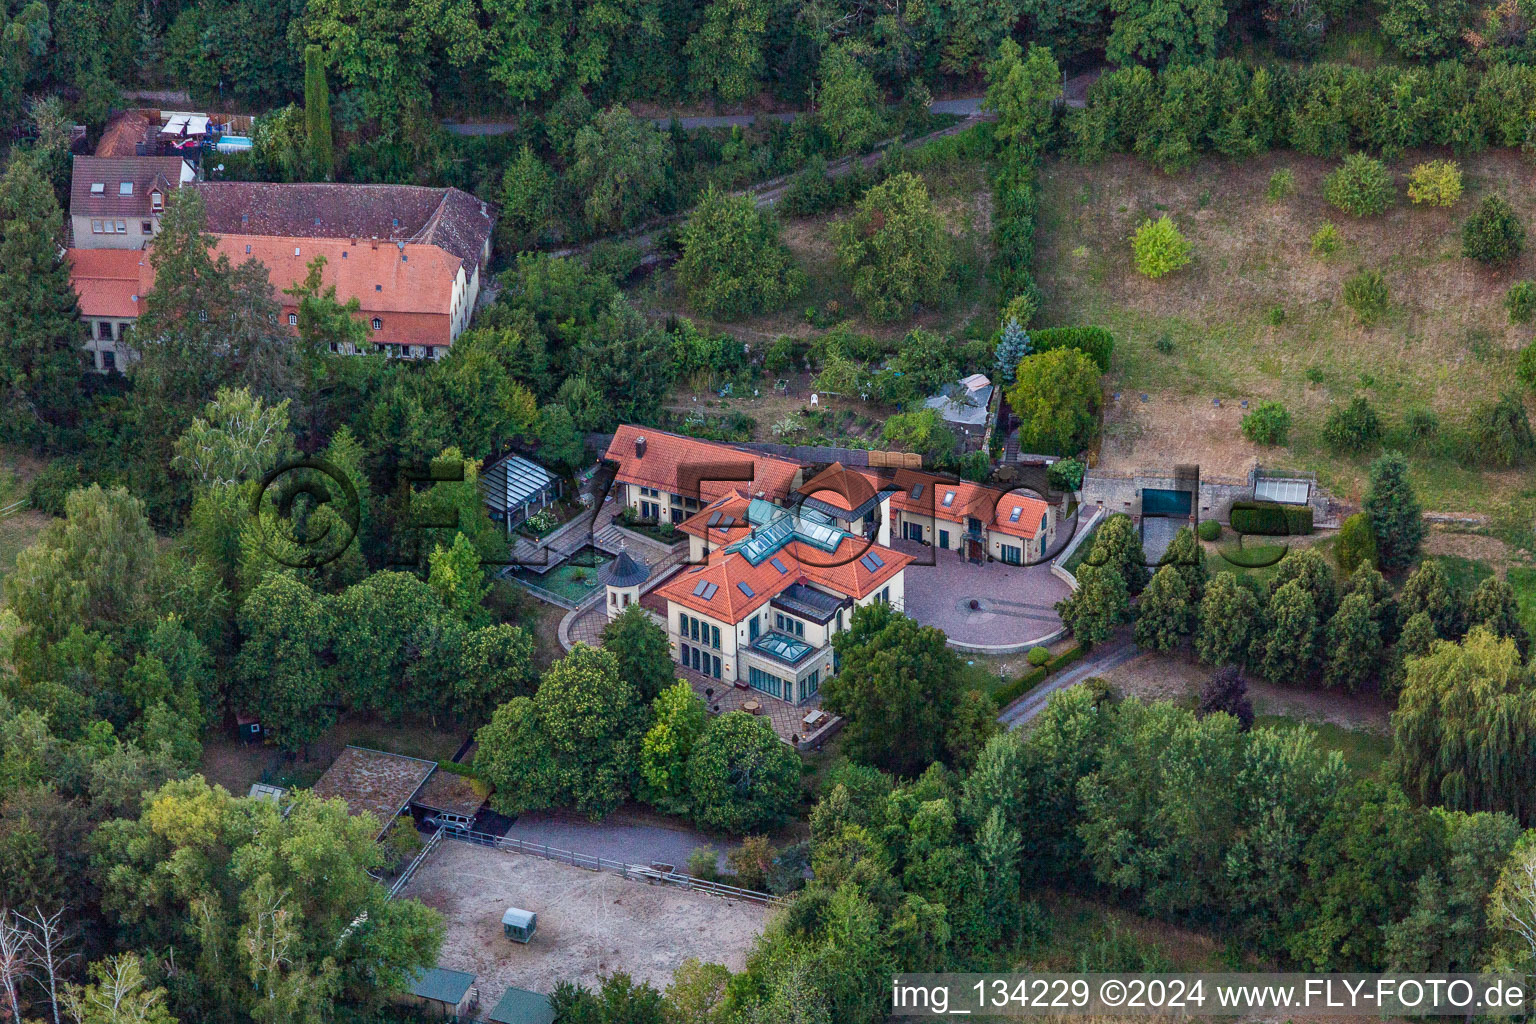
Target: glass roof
(785, 648)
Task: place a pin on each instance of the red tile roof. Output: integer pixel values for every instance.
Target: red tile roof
(957, 500)
(698, 469)
(411, 297)
(841, 487)
(841, 571)
(731, 507)
(110, 282)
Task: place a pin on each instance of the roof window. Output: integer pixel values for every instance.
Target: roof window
(98, 188)
(949, 498)
(1013, 516)
(125, 188)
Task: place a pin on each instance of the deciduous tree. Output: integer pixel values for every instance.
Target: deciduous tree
(741, 777)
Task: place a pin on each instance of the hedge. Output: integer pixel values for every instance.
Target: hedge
(1094, 342)
(1238, 110)
(1270, 519)
(1003, 696)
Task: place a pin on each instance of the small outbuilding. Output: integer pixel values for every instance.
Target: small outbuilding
(519, 925)
(441, 993)
(520, 1006)
(515, 488)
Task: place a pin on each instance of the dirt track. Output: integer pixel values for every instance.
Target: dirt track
(590, 923)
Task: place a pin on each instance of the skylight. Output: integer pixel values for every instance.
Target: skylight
(1013, 516)
(698, 588)
(777, 565)
(949, 498)
(745, 589)
(709, 591)
(125, 188)
(98, 188)
(917, 491)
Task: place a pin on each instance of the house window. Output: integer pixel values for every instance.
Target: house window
(885, 595)
(809, 686)
(96, 227)
(752, 629)
(122, 227)
(202, 316)
(378, 324)
(104, 330)
(768, 683)
(1012, 555)
(293, 321)
(944, 539)
(146, 227)
(156, 201)
(109, 360)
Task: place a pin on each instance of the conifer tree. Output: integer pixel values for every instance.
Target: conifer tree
(1393, 510)
(317, 114)
(1012, 347)
(40, 355)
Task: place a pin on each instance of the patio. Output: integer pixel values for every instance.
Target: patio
(1014, 605)
(788, 720)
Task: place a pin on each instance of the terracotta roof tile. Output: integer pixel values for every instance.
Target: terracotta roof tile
(110, 282)
(957, 500)
(702, 469)
(732, 508)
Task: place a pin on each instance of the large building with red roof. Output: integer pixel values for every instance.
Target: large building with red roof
(779, 559)
(412, 257)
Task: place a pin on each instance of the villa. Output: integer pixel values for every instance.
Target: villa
(780, 556)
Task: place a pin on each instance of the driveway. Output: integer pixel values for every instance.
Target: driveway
(1101, 659)
(1014, 605)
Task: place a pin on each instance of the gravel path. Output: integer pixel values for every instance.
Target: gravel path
(1101, 659)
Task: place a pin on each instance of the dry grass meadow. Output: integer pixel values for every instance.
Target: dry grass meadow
(1446, 342)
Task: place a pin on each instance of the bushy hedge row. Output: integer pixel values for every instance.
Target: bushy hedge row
(1094, 342)
(1003, 696)
(1271, 519)
(1236, 110)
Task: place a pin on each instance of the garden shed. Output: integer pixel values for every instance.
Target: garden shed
(519, 1006)
(519, 925)
(515, 488)
(444, 994)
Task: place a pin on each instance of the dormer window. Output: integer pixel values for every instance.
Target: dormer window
(125, 188)
(156, 201)
(378, 324)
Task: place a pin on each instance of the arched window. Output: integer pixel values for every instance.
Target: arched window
(378, 324)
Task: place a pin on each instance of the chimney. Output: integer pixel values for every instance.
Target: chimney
(640, 447)
(375, 241)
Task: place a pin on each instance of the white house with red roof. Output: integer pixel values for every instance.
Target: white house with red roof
(778, 562)
(978, 523)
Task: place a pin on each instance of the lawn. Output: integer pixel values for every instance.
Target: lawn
(1258, 316)
(1365, 752)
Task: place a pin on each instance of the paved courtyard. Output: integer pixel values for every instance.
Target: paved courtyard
(1016, 604)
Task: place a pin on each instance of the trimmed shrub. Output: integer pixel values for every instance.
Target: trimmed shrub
(1361, 186)
(1209, 530)
(1357, 543)
(1435, 183)
(1094, 342)
(1494, 234)
(1066, 475)
(1038, 656)
(1267, 423)
(1353, 427)
(1366, 294)
(1326, 240)
(1159, 248)
(1282, 185)
(1520, 301)
(1270, 519)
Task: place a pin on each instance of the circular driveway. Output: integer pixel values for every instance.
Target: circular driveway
(991, 607)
